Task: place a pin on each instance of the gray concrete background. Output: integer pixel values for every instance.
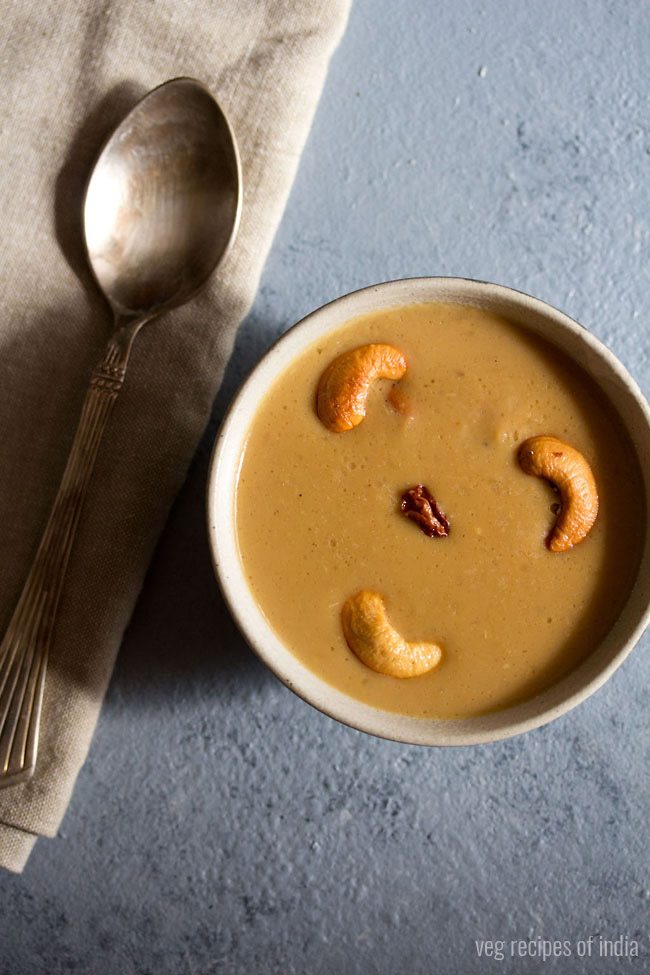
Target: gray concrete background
(220, 824)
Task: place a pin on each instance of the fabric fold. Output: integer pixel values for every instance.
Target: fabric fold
(69, 73)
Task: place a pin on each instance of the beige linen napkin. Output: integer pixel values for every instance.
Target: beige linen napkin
(69, 71)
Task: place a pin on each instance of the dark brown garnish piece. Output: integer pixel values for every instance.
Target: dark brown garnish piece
(420, 506)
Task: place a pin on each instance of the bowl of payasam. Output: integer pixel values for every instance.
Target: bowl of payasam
(427, 508)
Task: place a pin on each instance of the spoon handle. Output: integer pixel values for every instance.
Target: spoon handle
(24, 649)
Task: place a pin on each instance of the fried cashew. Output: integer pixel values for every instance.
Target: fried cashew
(378, 645)
(344, 385)
(568, 470)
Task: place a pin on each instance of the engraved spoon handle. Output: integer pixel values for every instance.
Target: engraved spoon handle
(24, 649)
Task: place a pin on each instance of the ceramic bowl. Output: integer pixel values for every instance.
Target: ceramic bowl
(531, 314)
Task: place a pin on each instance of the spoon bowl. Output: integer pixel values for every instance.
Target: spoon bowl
(163, 202)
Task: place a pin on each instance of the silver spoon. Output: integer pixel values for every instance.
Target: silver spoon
(162, 208)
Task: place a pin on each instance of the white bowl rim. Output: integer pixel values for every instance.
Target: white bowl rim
(226, 456)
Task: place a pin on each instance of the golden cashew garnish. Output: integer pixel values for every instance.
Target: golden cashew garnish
(568, 470)
(378, 645)
(343, 388)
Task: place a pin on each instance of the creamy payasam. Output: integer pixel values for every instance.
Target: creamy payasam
(332, 513)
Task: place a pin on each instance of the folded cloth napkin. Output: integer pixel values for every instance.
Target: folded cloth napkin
(69, 72)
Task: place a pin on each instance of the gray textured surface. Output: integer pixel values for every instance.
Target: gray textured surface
(220, 824)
